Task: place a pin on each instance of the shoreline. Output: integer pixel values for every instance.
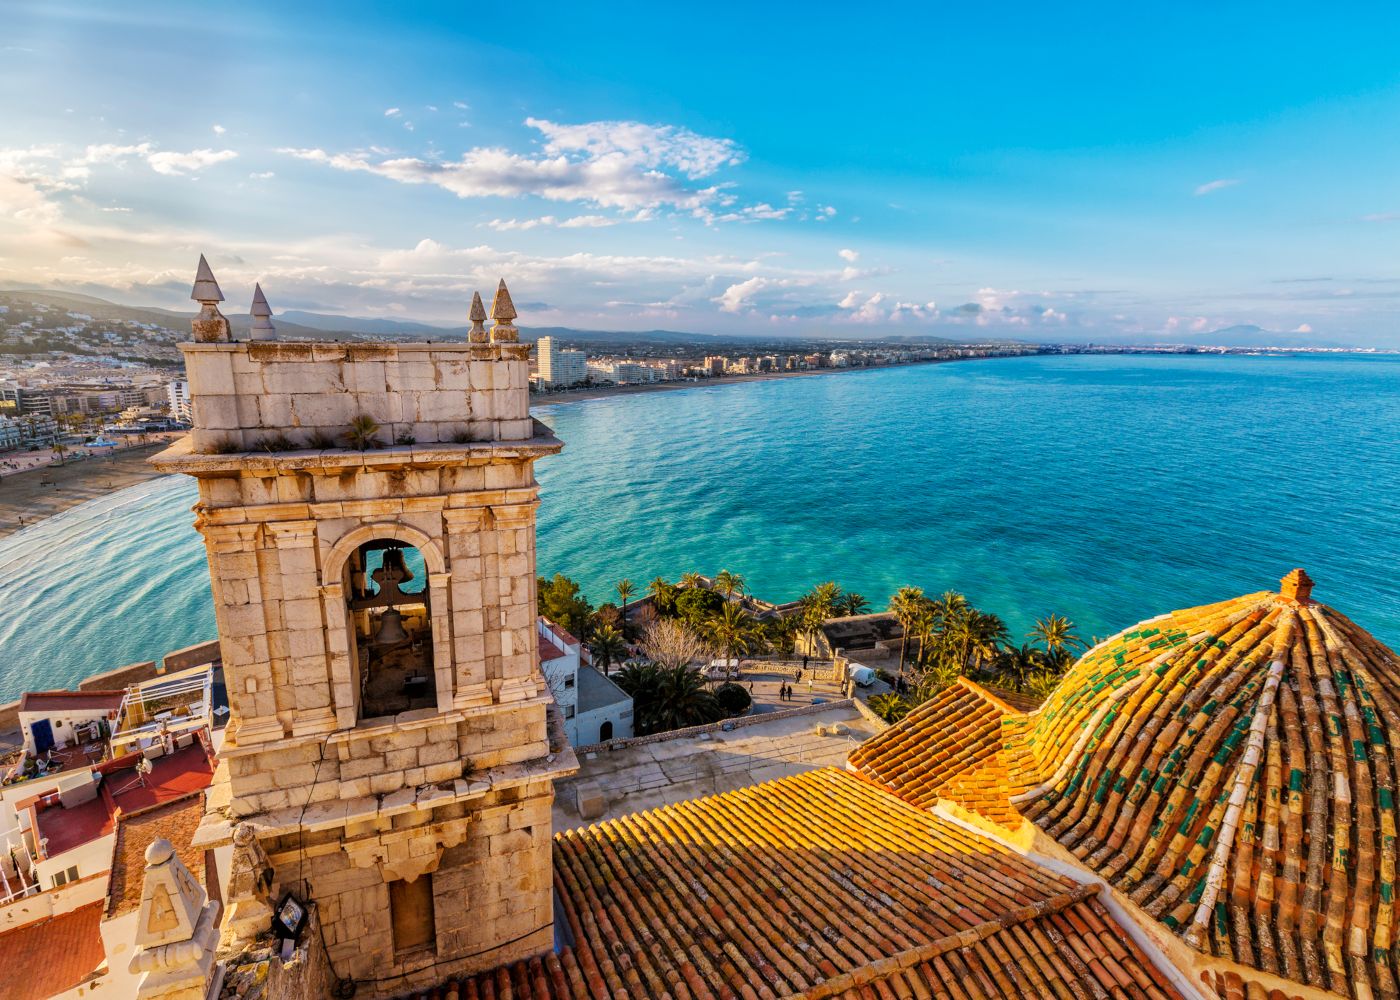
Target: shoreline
(26, 499)
(609, 391)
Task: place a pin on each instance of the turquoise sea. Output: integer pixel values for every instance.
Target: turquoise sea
(1105, 488)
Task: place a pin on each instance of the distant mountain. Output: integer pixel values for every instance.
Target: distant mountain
(1248, 335)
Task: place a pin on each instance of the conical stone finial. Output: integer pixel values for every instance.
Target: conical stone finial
(210, 326)
(503, 331)
(262, 328)
(477, 334)
(206, 289)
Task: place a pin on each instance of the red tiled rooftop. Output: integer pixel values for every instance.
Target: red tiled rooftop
(52, 956)
(176, 821)
(71, 701)
(819, 885)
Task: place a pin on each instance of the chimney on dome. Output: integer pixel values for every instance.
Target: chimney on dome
(477, 334)
(210, 326)
(503, 331)
(1296, 586)
(262, 328)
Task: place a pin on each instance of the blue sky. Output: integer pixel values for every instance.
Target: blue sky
(809, 169)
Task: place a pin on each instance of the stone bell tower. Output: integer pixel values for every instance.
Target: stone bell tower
(368, 511)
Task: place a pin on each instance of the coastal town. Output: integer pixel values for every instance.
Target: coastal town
(546, 501)
(410, 765)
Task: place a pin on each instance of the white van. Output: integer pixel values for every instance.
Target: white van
(863, 676)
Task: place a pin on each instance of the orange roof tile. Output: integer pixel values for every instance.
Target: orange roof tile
(52, 956)
(955, 737)
(818, 885)
(1231, 768)
(176, 821)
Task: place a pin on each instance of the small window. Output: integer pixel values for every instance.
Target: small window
(568, 711)
(73, 874)
(411, 914)
(568, 682)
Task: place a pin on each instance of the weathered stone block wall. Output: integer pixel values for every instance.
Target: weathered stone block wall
(492, 887)
(437, 750)
(241, 392)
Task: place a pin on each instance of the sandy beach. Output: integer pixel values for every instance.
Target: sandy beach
(31, 494)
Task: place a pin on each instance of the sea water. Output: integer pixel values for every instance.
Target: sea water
(1107, 488)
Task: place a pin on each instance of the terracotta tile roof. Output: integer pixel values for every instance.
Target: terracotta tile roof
(52, 956)
(1232, 986)
(818, 885)
(176, 821)
(1232, 769)
(949, 747)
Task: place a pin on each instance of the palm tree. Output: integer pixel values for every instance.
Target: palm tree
(817, 605)
(692, 580)
(361, 433)
(925, 622)
(663, 595)
(608, 645)
(729, 584)
(903, 604)
(1055, 633)
(852, 604)
(666, 698)
(625, 589)
(58, 449)
(734, 631)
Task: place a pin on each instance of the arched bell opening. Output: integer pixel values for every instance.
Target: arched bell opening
(391, 625)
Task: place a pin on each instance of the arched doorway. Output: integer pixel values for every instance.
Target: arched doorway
(391, 628)
(605, 732)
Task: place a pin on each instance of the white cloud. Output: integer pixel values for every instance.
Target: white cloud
(735, 297)
(1381, 217)
(640, 145)
(574, 222)
(219, 130)
(263, 175)
(625, 165)
(850, 301)
(850, 256)
(1303, 328)
(173, 164)
(1216, 185)
(392, 112)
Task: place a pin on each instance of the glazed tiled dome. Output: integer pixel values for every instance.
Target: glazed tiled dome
(1232, 768)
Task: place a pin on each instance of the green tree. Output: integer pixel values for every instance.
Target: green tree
(666, 698)
(625, 589)
(59, 449)
(695, 606)
(729, 584)
(663, 596)
(561, 600)
(608, 646)
(890, 706)
(1055, 633)
(852, 604)
(815, 607)
(733, 631)
(903, 605)
(692, 580)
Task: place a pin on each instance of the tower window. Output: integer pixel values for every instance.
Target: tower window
(391, 623)
(411, 912)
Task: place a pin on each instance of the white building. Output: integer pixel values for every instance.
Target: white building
(178, 395)
(557, 367)
(595, 709)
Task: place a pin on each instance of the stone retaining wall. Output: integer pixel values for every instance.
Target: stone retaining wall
(714, 727)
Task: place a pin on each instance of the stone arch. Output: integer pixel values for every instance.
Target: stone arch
(347, 543)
